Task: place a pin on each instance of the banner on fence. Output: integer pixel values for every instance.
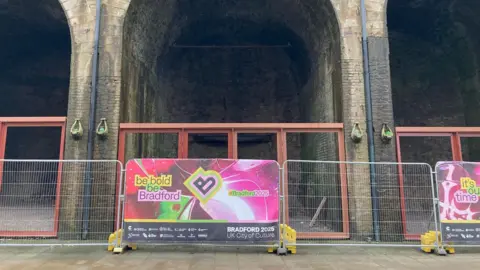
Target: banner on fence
(459, 204)
(209, 200)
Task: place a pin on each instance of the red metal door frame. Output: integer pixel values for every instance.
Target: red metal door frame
(233, 129)
(455, 134)
(5, 123)
(183, 137)
(278, 139)
(327, 128)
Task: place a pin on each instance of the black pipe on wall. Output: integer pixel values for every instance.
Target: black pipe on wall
(370, 131)
(87, 188)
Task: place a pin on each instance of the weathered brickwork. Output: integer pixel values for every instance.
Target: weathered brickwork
(423, 71)
(143, 77)
(127, 77)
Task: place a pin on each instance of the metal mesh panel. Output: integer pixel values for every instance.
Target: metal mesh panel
(57, 202)
(314, 190)
(334, 203)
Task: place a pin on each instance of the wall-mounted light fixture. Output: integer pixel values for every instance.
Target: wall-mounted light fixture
(387, 133)
(357, 133)
(76, 131)
(102, 129)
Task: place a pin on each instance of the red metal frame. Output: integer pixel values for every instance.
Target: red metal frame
(455, 134)
(345, 234)
(232, 130)
(183, 135)
(5, 123)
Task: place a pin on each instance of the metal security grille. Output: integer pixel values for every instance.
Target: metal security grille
(332, 203)
(45, 202)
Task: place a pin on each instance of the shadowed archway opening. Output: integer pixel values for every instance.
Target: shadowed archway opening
(434, 59)
(34, 82)
(34, 72)
(235, 61)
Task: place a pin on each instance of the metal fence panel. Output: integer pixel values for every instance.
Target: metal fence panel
(458, 184)
(236, 171)
(335, 203)
(52, 202)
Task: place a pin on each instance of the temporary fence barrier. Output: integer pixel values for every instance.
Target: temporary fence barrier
(57, 202)
(303, 203)
(458, 185)
(217, 202)
(359, 203)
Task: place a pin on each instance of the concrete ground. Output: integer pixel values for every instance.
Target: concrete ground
(166, 258)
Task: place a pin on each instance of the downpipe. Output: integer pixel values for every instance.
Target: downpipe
(87, 188)
(370, 132)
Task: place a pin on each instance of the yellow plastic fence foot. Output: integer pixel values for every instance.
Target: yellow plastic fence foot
(290, 236)
(114, 241)
(429, 240)
(119, 250)
(433, 238)
(444, 250)
(273, 248)
(427, 250)
(450, 250)
(291, 240)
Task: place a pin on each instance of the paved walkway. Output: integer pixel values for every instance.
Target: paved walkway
(230, 259)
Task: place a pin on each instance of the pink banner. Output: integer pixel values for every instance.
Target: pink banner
(235, 200)
(459, 205)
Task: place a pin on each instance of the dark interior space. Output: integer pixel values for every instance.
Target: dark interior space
(230, 61)
(34, 81)
(242, 61)
(434, 49)
(34, 70)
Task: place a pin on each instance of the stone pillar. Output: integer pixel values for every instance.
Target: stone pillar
(81, 19)
(109, 77)
(380, 83)
(379, 63)
(104, 193)
(353, 97)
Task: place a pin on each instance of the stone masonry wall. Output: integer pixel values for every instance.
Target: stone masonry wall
(81, 19)
(433, 83)
(127, 74)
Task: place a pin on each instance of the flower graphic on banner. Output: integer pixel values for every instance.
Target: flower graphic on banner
(459, 191)
(213, 189)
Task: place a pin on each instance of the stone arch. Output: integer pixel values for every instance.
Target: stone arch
(436, 81)
(34, 82)
(34, 70)
(67, 7)
(232, 61)
(147, 53)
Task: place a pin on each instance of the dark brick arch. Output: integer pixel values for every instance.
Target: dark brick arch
(435, 82)
(39, 44)
(302, 82)
(35, 64)
(147, 50)
(34, 70)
